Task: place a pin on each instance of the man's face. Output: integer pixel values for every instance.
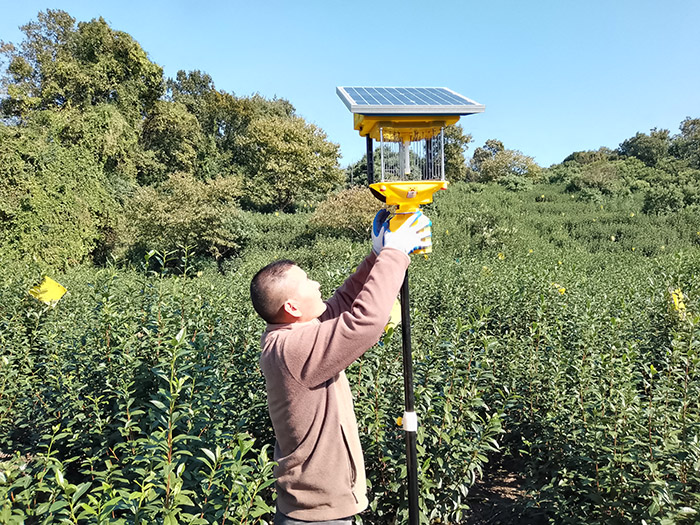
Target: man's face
(305, 294)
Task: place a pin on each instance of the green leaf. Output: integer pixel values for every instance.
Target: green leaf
(88, 509)
(59, 478)
(159, 404)
(210, 455)
(58, 505)
(182, 499)
(80, 490)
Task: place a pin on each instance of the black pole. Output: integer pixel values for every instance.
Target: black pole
(370, 161)
(411, 456)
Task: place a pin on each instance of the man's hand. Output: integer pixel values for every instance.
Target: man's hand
(379, 226)
(410, 235)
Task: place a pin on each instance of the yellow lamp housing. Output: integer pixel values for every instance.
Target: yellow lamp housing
(408, 196)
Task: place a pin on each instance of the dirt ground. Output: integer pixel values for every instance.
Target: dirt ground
(499, 498)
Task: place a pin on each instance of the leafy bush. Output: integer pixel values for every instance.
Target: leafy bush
(493, 161)
(515, 182)
(601, 177)
(134, 424)
(186, 212)
(573, 353)
(660, 199)
(287, 160)
(349, 211)
(55, 203)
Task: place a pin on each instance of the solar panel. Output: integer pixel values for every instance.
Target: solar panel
(406, 101)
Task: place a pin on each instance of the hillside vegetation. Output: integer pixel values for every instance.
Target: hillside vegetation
(556, 325)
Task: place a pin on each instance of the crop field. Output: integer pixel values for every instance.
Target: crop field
(555, 326)
(559, 333)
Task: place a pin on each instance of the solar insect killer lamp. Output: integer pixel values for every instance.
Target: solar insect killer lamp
(409, 124)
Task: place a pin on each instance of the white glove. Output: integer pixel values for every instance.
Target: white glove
(379, 226)
(410, 237)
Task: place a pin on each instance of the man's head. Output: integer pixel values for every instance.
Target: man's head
(281, 292)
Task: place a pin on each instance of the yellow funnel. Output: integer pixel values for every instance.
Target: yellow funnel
(408, 196)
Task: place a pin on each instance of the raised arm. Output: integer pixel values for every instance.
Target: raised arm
(319, 351)
(344, 296)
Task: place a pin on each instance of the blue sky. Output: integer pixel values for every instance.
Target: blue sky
(555, 76)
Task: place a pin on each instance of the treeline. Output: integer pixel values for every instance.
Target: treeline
(663, 169)
(100, 154)
(103, 157)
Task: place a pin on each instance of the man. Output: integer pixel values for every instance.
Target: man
(306, 347)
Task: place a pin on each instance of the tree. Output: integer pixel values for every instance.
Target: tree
(173, 134)
(223, 118)
(191, 89)
(456, 144)
(103, 131)
(356, 173)
(196, 91)
(56, 207)
(493, 161)
(286, 159)
(588, 157)
(650, 149)
(44, 43)
(58, 65)
(486, 152)
(686, 145)
(222, 115)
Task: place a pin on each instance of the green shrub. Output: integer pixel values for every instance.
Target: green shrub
(185, 212)
(601, 176)
(350, 211)
(56, 206)
(139, 398)
(663, 199)
(515, 182)
(492, 162)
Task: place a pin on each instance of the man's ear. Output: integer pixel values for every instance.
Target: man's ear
(291, 309)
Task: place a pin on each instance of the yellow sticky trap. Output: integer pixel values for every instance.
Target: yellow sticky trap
(394, 317)
(49, 291)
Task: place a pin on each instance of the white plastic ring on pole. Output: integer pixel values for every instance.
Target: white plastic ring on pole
(410, 421)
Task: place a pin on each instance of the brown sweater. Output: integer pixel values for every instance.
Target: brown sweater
(320, 472)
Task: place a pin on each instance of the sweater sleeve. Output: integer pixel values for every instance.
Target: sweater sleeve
(344, 296)
(317, 352)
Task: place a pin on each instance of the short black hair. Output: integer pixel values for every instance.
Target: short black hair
(261, 288)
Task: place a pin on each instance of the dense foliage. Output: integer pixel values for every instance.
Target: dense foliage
(556, 324)
(89, 126)
(545, 328)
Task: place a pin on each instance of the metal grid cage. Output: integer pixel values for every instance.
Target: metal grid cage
(411, 160)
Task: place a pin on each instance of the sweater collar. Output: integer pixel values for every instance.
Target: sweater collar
(271, 327)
